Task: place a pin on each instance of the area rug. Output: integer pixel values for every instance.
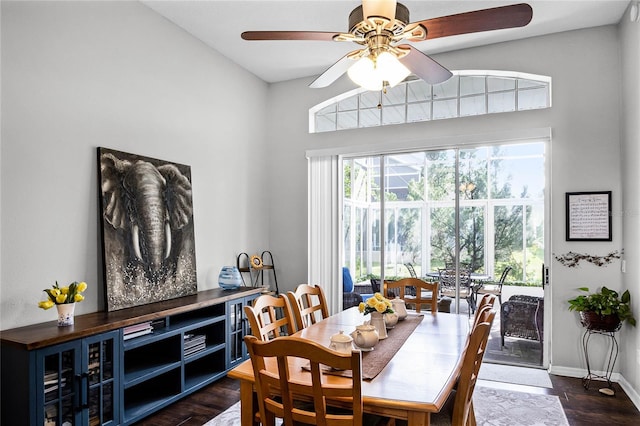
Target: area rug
(515, 375)
(497, 407)
(493, 407)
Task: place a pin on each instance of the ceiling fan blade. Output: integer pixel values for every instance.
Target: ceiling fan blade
(334, 72)
(423, 66)
(289, 35)
(496, 18)
(383, 8)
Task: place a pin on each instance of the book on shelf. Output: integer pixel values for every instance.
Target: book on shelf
(195, 349)
(194, 343)
(158, 323)
(137, 327)
(137, 334)
(50, 375)
(54, 381)
(191, 340)
(50, 388)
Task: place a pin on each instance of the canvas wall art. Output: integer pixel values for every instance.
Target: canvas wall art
(147, 229)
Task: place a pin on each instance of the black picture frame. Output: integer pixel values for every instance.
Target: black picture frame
(588, 216)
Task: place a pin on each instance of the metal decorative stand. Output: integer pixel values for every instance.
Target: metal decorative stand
(613, 355)
(257, 270)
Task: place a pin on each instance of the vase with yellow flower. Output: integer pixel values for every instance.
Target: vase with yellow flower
(377, 305)
(64, 299)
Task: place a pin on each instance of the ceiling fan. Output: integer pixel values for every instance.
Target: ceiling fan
(379, 26)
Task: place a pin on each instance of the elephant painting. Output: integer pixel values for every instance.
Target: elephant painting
(147, 224)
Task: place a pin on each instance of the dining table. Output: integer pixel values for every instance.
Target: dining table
(410, 383)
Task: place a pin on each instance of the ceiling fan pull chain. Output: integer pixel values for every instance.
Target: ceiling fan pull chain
(385, 84)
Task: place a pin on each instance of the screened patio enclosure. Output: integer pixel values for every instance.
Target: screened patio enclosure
(479, 208)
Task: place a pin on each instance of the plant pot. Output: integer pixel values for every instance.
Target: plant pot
(593, 321)
(65, 314)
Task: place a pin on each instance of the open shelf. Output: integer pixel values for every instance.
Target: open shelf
(204, 369)
(151, 394)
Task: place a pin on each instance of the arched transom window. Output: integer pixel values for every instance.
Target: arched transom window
(467, 93)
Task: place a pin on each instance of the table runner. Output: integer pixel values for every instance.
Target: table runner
(373, 362)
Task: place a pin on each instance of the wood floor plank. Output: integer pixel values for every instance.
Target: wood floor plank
(583, 407)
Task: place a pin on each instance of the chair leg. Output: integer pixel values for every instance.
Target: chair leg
(471, 418)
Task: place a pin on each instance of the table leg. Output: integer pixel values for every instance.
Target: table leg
(246, 404)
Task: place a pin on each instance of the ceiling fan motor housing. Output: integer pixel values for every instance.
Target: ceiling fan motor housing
(359, 26)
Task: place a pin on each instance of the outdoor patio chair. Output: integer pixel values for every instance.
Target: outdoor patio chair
(447, 278)
(493, 287)
(349, 296)
(522, 317)
(412, 271)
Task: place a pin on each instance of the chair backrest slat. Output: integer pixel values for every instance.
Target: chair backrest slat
(270, 317)
(413, 291)
(309, 305)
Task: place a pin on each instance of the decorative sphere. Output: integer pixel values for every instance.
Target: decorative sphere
(229, 278)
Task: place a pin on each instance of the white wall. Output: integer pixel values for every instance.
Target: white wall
(78, 75)
(585, 151)
(630, 140)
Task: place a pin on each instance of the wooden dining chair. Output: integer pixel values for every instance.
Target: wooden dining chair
(282, 395)
(308, 304)
(486, 300)
(458, 410)
(270, 317)
(424, 293)
(481, 315)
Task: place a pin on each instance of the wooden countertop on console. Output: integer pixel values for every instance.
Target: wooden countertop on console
(48, 333)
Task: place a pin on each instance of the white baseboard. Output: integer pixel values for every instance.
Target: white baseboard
(630, 391)
(615, 377)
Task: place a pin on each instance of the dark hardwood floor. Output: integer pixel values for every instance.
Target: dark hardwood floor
(583, 407)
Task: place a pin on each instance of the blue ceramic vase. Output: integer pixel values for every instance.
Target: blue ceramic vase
(229, 278)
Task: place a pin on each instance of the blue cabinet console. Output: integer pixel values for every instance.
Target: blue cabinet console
(115, 368)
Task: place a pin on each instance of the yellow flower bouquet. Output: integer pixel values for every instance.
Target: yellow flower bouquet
(376, 303)
(57, 295)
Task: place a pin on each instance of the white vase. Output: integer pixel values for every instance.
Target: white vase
(377, 320)
(391, 319)
(65, 314)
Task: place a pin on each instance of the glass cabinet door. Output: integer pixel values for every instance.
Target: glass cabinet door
(237, 328)
(99, 397)
(77, 382)
(58, 394)
(235, 315)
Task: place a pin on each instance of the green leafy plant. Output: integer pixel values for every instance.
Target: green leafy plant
(604, 302)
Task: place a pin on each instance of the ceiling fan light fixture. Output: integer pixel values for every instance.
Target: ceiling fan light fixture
(363, 74)
(372, 75)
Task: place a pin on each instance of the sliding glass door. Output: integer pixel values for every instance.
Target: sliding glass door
(478, 209)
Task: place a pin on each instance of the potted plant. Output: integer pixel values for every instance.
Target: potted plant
(603, 310)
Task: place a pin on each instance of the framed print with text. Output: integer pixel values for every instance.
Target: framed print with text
(588, 216)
